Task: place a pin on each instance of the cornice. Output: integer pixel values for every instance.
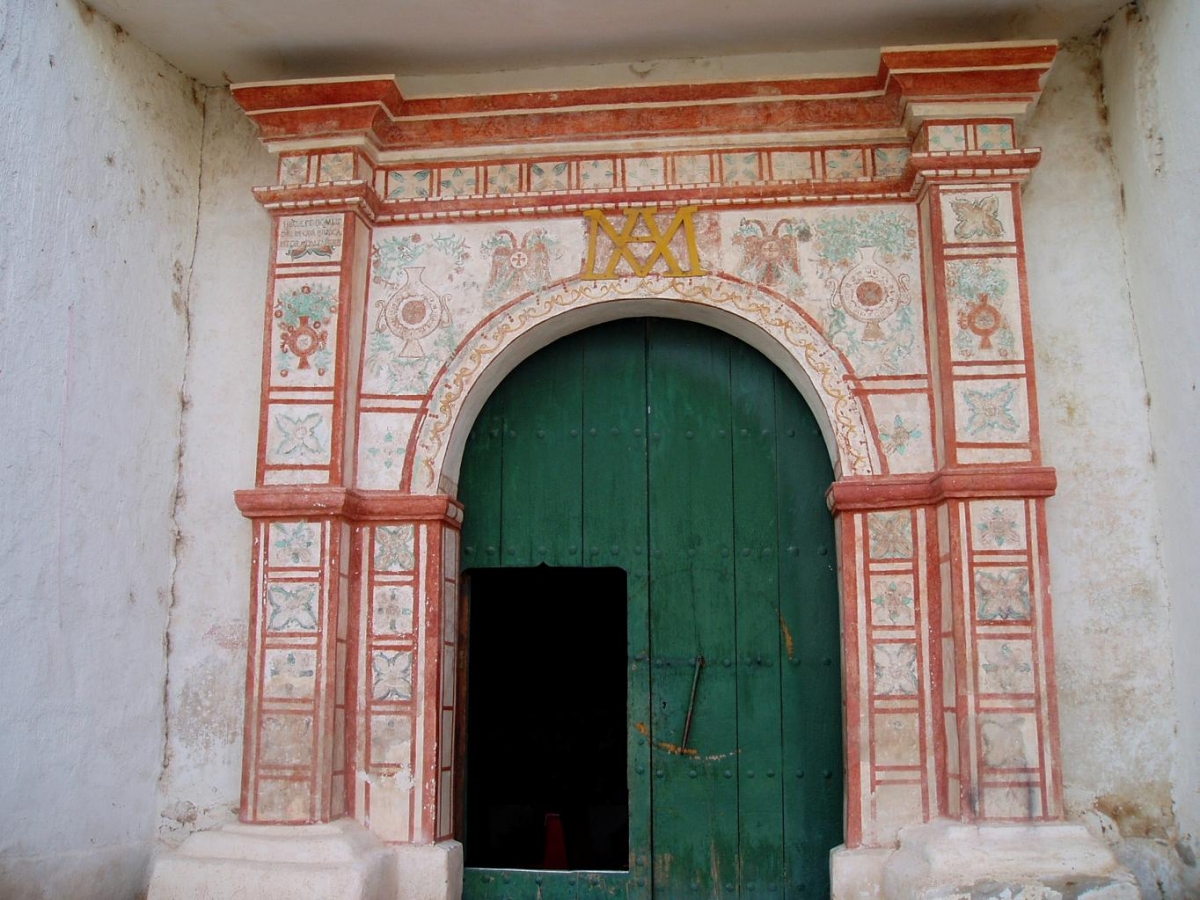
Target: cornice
(323, 501)
(903, 491)
(912, 84)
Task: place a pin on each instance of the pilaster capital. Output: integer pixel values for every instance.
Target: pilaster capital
(905, 491)
(299, 501)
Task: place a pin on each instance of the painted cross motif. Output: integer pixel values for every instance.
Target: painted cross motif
(894, 603)
(991, 410)
(891, 535)
(394, 548)
(897, 439)
(293, 609)
(1002, 594)
(1007, 670)
(294, 545)
(393, 675)
(977, 218)
(298, 436)
(895, 669)
(998, 530)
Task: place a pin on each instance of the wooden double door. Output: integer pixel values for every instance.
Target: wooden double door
(684, 459)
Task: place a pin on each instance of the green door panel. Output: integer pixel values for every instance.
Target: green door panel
(683, 457)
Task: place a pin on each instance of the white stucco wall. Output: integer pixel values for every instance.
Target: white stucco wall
(1111, 615)
(100, 143)
(1151, 69)
(212, 585)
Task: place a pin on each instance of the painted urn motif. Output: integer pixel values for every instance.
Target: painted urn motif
(413, 311)
(870, 293)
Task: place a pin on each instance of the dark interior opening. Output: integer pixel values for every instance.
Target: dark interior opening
(546, 719)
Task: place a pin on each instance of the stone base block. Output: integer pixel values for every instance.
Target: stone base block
(1053, 861)
(858, 874)
(429, 871)
(336, 861)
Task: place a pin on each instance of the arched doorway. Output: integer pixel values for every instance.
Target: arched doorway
(681, 460)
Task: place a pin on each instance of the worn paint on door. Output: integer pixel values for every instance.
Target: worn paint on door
(685, 458)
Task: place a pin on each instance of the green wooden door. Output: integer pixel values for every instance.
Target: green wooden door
(685, 458)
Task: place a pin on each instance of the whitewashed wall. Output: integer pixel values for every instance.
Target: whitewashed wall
(100, 144)
(1151, 67)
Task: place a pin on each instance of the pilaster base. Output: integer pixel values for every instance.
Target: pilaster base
(1052, 861)
(429, 871)
(336, 861)
(858, 874)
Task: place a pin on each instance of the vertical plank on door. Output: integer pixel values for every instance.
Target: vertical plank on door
(811, 686)
(615, 534)
(543, 456)
(759, 715)
(691, 572)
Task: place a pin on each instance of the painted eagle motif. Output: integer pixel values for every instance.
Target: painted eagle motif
(517, 268)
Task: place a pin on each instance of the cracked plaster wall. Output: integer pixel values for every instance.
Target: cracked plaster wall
(1151, 68)
(100, 145)
(1112, 627)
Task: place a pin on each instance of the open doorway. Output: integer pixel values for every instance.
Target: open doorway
(546, 694)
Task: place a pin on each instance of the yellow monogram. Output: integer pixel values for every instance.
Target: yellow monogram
(628, 236)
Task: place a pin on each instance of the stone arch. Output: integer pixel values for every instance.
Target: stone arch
(767, 321)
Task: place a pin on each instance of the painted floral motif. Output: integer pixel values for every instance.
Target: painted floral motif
(977, 219)
(897, 439)
(517, 268)
(978, 286)
(645, 171)
(842, 164)
(993, 137)
(946, 137)
(596, 173)
(891, 535)
(292, 608)
(290, 673)
(503, 179)
(388, 451)
(771, 256)
(890, 161)
(1002, 594)
(548, 176)
(303, 316)
(990, 411)
(392, 609)
(693, 169)
(393, 675)
(457, 182)
(394, 548)
(337, 167)
(999, 530)
(294, 545)
(299, 437)
(895, 669)
(409, 183)
(1006, 670)
(739, 167)
(788, 165)
(893, 602)
(293, 169)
